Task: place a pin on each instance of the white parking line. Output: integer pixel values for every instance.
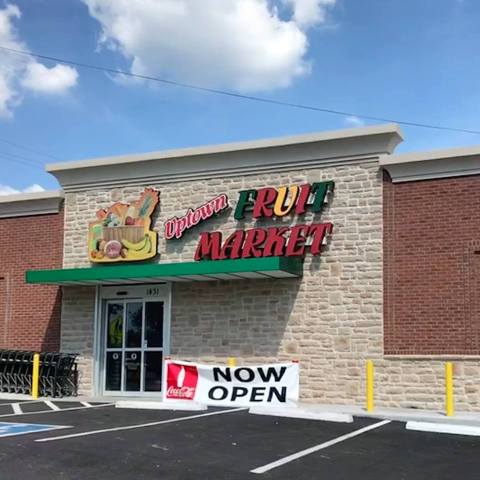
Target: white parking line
(60, 410)
(16, 408)
(86, 404)
(316, 448)
(50, 404)
(142, 425)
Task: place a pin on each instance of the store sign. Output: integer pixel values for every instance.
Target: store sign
(176, 226)
(269, 201)
(287, 241)
(122, 232)
(271, 384)
(264, 242)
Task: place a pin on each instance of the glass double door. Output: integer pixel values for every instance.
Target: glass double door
(134, 344)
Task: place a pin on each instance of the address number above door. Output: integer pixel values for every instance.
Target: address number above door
(122, 232)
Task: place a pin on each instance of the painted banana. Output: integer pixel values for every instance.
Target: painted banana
(140, 254)
(135, 247)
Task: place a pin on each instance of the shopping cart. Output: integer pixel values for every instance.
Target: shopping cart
(58, 375)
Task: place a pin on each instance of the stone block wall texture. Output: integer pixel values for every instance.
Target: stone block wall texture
(30, 314)
(331, 319)
(78, 326)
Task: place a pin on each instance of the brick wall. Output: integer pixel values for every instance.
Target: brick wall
(432, 289)
(29, 314)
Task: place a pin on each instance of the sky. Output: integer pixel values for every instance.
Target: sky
(409, 60)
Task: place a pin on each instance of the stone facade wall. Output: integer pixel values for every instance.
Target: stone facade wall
(419, 383)
(78, 326)
(331, 319)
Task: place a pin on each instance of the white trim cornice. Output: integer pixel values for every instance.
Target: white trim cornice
(294, 152)
(453, 162)
(27, 204)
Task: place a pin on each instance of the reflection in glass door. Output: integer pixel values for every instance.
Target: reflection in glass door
(134, 342)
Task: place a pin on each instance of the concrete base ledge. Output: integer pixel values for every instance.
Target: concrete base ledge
(152, 405)
(298, 412)
(398, 414)
(451, 428)
(15, 396)
(407, 415)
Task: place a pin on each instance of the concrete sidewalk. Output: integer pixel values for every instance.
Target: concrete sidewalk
(304, 410)
(397, 414)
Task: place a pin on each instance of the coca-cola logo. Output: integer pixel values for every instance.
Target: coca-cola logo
(181, 381)
(183, 392)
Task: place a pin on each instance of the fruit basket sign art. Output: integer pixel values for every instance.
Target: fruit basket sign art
(122, 232)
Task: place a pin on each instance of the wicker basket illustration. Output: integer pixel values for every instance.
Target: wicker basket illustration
(131, 233)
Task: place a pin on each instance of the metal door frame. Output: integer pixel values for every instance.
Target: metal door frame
(128, 294)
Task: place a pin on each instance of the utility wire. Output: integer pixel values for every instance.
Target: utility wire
(22, 162)
(237, 95)
(18, 145)
(29, 149)
(22, 157)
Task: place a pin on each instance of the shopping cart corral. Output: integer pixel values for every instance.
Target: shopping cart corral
(58, 376)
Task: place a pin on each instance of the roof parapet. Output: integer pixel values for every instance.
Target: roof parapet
(243, 158)
(452, 162)
(28, 204)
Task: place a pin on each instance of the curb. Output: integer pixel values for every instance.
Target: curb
(294, 412)
(146, 405)
(451, 428)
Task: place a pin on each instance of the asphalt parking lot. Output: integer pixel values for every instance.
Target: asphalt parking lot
(101, 442)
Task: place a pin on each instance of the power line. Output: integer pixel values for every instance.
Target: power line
(237, 95)
(29, 149)
(22, 157)
(18, 145)
(22, 162)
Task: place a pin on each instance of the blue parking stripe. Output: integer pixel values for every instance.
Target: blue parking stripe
(8, 429)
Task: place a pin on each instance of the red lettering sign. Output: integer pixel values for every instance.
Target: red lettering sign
(176, 226)
(267, 202)
(264, 242)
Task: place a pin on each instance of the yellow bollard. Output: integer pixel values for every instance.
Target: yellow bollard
(232, 362)
(449, 406)
(35, 375)
(370, 403)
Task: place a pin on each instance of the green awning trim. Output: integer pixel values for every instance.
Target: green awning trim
(249, 268)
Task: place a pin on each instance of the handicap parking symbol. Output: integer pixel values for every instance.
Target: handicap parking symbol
(9, 429)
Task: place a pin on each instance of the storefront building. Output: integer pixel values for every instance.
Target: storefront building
(322, 248)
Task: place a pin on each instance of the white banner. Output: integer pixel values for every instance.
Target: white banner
(219, 385)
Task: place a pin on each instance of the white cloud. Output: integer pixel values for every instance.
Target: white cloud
(240, 44)
(57, 79)
(310, 12)
(9, 64)
(34, 188)
(7, 190)
(354, 121)
(18, 72)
